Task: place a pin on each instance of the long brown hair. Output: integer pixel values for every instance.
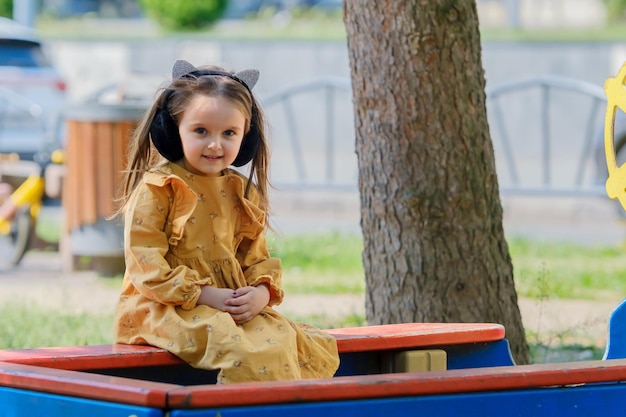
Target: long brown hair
(143, 156)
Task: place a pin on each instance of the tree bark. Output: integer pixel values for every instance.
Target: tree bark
(431, 216)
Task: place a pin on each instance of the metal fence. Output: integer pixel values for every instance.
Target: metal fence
(562, 135)
(546, 134)
(313, 147)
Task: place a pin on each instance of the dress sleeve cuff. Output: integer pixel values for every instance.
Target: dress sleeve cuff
(276, 293)
(191, 302)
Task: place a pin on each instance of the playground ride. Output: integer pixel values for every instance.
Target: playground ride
(20, 206)
(399, 370)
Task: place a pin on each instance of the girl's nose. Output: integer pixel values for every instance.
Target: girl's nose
(214, 144)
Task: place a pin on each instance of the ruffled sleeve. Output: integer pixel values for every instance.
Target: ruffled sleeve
(252, 253)
(146, 241)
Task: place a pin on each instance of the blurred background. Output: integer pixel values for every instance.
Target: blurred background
(67, 66)
(75, 75)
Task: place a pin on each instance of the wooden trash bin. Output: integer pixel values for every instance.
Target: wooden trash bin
(97, 139)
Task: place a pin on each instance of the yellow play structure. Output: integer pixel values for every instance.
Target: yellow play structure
(616, 97)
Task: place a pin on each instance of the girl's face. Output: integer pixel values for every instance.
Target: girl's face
(211, 130)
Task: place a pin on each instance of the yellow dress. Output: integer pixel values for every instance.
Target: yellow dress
(185, 231)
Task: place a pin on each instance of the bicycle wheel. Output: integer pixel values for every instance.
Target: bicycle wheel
(14, 245)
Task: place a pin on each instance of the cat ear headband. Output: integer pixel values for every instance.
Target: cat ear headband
(164, 129)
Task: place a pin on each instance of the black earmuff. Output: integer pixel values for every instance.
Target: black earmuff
(250, 143)
(164, 132)
(166, 138)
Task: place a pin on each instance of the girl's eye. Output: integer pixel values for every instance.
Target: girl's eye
(200, 130)
(229, 133)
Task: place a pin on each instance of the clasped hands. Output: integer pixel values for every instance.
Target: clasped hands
(242, 304)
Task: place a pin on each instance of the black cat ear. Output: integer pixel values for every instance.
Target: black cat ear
(182, 68)
(248, 76)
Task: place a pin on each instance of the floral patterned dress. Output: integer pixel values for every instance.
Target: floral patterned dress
(185, 231)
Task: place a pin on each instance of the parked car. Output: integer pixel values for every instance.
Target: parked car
(32, 93)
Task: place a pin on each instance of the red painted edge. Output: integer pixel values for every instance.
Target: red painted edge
(350, 339)
(85, 385)
(410, 335)
(160, 395)
(91, 357)
(397, 385)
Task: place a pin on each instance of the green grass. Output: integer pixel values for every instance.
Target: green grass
(321, 264)
(331, 264)
(568, 271)
(30, 327)
(296, 281)
(329, 252)
(27, 327)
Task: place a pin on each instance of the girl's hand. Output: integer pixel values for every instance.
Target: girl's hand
(245, 303)
(215, 297)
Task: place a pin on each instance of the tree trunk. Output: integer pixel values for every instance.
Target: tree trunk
(431, 216)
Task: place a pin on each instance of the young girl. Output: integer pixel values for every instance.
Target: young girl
(199, 279)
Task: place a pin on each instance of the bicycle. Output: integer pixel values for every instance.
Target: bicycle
(19, 210)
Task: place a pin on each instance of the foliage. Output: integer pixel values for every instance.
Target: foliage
(301, 24)
(185, 14)
(615, 9)
(6, 8)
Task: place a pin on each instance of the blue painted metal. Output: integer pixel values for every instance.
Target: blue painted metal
(22, 403)
(581, 401)
(359, 363)
(475, 355)
(479, 355)
(616, 338)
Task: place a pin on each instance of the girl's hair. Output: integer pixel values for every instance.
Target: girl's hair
(143, 155)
